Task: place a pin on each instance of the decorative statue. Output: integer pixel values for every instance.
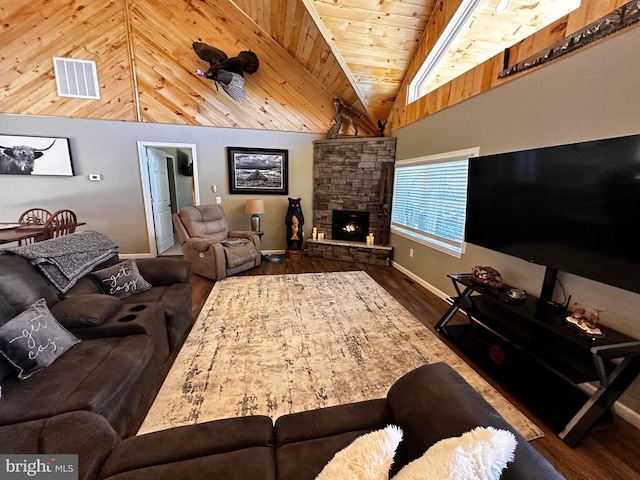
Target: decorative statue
(294, 223)
(344, 114)
(228, 72)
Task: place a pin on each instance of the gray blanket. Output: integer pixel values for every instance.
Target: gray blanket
(66, 259)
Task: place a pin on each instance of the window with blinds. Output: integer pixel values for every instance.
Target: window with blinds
(430, 199)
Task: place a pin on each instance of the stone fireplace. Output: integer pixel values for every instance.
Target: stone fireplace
(346, 175)
(347, 179)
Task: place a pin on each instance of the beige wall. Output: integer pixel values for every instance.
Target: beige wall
(115, 205)
(588, 95)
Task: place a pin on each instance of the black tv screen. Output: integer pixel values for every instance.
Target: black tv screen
(572, 208)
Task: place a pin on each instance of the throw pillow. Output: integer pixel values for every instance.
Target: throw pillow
(6, 369)
(88, 310)
(368, 457)
(33, 340)
(480, 454)
(122, 279)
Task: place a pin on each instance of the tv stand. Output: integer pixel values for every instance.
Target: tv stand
(497, 328)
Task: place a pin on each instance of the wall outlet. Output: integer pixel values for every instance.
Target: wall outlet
(411, 252)
(95, 177)
(218, 200)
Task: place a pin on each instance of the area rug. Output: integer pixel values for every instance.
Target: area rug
(278, 344)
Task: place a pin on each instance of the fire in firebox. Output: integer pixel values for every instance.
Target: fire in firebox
(350, 225)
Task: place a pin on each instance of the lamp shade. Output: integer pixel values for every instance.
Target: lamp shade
(254, 206)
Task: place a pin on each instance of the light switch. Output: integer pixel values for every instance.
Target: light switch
(95, 177)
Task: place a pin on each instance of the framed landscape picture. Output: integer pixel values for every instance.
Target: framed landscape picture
(258, 170)
(22, 155)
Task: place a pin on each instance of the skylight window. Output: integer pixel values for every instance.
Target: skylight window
(479, 30)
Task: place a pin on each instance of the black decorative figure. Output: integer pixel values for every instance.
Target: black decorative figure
(294, 223)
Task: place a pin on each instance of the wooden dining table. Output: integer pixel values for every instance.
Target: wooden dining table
(14, 232)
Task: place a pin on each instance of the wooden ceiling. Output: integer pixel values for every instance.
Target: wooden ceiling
(371, 42)
(375, 41)
(146, 66)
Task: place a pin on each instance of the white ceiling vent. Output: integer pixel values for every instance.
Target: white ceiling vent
(76, 78)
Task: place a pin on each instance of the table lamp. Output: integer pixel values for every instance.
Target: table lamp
(254, 206)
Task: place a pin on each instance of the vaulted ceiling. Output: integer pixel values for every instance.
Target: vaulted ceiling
(374, 42)
(311, 51)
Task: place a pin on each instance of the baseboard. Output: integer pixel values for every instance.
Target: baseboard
(420, 281)
(619, 408)
(126, 256)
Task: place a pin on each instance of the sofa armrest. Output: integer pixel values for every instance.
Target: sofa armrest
(434, 402)
(198, 244)
(241, 233)
(251, 235)
(164, 271)
(86, 434)
(83, 433)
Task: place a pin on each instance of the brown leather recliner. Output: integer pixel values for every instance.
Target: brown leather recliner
(210, 247)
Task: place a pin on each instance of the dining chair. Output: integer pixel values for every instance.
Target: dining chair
(60, 223)
(34, 216)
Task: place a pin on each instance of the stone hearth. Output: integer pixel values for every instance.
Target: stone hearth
(350, 251)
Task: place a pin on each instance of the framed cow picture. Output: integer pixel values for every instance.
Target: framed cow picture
(26, 155)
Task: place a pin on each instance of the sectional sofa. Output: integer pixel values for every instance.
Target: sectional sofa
(429, 404)
(90, 400)
(126, 343)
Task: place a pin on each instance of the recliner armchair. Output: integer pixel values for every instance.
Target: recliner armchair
(210, 247)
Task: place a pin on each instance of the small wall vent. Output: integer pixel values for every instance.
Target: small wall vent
(76, 78)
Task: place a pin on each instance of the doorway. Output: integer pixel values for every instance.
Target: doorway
(169, 182)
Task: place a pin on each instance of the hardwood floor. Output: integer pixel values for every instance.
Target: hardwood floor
(610, 451)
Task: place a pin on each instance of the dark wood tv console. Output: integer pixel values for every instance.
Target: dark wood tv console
(498, 329)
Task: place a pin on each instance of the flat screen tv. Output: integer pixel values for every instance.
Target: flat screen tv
(572, 208)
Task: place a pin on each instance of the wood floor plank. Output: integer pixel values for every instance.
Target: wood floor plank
(610, 451)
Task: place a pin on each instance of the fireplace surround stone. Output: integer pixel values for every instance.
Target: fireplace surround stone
(346, 174)
(347, 177)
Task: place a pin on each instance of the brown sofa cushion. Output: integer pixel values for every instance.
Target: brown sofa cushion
(235, 448)
(21, 284)
(7, 312)
(306, 441)
(176, 301)
(109, 376)
(240, 254)
(205, 221)
(87, 310)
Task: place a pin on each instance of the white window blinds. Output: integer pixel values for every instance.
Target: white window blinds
(430, 199)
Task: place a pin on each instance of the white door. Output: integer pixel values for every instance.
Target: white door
(160, 198)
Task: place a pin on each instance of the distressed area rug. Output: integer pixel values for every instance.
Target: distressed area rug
(278, 344)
